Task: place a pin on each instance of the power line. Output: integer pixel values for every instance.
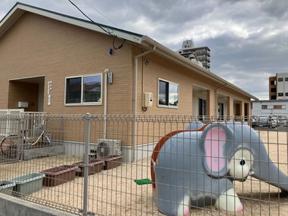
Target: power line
(104, 16)
(89, 18)
(100, 26)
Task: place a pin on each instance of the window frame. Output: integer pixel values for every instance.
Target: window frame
(158, 95)
(264, 107)
(279, 94)
(277, 107)
(82, 88)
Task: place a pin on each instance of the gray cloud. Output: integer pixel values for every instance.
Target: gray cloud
(248, 38)
(277, 8)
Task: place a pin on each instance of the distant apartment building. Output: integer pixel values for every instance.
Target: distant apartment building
(278, 87)
(277, 105)
(200, 55)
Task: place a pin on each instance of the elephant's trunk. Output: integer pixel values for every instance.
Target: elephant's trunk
(265, 170)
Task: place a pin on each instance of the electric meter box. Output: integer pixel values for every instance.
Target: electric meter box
(148, 99)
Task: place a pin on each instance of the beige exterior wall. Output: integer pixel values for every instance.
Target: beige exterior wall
(155, 67)
(38, 46)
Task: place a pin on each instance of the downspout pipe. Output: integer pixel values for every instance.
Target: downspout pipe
(134, 98)
(105, 104)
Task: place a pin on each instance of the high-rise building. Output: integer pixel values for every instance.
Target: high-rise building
(272, 88)
(199, 55)
(278, 86)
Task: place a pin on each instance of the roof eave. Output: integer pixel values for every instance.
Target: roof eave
(20, 8)
(162, 50)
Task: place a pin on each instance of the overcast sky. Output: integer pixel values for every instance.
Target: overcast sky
(248, 39)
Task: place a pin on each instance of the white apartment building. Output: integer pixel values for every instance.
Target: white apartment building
(278, 87)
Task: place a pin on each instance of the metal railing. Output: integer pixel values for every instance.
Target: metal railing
(146, 165)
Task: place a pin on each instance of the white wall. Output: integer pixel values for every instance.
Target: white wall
(258, 111)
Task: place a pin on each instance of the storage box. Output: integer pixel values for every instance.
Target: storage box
(112, 161)
(94, 166)
(59, 175)
(28, 184)
(7, 187)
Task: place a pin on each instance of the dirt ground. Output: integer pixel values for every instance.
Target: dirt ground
(114, 192)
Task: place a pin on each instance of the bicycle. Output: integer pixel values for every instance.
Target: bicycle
(8, 145)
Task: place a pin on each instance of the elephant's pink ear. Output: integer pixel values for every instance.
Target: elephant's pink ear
(214, 148)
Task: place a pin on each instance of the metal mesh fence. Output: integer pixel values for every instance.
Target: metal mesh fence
(145, 165)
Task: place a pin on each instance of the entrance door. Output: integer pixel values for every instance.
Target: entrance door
(202, 108)
(246, 111)
(221, 111)
(237, 110)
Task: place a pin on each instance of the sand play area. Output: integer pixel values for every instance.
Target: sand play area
(113, 192)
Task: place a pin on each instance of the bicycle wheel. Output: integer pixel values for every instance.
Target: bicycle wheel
(8, 147)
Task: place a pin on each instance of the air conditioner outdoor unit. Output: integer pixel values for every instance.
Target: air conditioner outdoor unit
(108, 147)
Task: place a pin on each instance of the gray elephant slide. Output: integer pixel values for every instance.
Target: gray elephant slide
(196, 168)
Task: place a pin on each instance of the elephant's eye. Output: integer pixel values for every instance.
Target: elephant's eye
(242, 162)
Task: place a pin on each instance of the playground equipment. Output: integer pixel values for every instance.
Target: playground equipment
(196, 168)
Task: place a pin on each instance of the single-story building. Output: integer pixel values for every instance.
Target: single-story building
(54, 63)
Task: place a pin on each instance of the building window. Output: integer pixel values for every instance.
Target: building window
(286, 94)
(167, 93)
(272, 82)
(277, 107)
(286, 79)
(280, 94)
(280, 79)
(273, 89)
(273, 97)
(264, 107)
(84, 90)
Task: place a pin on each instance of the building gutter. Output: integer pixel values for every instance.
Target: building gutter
(175, 57)
(134, 96)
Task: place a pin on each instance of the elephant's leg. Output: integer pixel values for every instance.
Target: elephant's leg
(223, 193)
(173, 201)
(184, 207)
(229, 201)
